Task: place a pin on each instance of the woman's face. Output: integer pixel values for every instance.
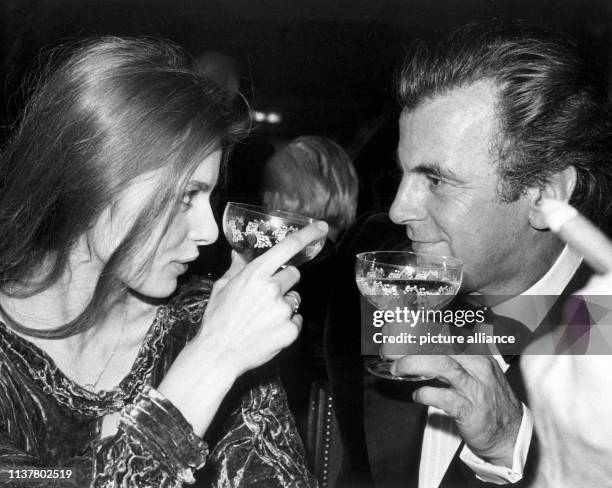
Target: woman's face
(194, 225)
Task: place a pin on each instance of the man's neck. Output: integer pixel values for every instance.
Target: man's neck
(534, 304)
(541, 261)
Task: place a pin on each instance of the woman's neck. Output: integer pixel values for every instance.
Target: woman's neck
(67, 298)
(100, 356)
(62, 301)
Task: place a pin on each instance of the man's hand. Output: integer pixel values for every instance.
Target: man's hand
(479, 399)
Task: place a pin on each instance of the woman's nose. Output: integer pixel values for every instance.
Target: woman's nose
(203, 227)
(409, 202)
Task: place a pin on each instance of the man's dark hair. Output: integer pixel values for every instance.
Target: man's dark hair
(553, 108)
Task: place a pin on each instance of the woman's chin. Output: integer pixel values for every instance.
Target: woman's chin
(157, 289)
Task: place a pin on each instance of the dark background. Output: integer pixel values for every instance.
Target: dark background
(326, 65)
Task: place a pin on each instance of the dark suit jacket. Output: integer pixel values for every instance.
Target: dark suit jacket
(381, 427)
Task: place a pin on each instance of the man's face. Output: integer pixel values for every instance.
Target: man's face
(448, 197)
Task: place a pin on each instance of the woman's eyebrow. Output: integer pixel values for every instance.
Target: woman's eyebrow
(199, 185)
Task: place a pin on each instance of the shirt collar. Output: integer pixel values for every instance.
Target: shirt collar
(545, 291)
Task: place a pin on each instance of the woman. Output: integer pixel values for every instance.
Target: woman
(104, 199)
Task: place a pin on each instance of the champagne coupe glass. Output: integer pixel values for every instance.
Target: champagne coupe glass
(417, 281)
(252, 230)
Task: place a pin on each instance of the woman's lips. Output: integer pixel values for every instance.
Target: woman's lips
(180, 267)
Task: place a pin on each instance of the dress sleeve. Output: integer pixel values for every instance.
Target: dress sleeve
(154, 446)
(260, 445)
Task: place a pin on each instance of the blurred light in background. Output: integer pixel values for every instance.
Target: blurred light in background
(258, 116)
(274, 118)
(269, 117)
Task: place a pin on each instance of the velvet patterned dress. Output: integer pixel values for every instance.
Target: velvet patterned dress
(48, 421)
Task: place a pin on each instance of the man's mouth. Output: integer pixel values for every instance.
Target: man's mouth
(430, 247)
(424, 243)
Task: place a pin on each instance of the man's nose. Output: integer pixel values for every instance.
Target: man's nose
(202, 225)
(409, 203)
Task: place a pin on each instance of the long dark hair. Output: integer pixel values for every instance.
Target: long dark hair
(113, 109)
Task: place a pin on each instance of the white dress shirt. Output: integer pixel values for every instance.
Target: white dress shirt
(441, 439)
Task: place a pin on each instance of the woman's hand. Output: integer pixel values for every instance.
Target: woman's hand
(250, 317)
(248, 320)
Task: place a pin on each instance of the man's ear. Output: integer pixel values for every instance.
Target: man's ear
(560, 186)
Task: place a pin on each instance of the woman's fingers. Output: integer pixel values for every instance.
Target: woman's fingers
(579, 233)
(293, 298)
(286, 278)
(298, 320)
(279, 254)
(253, 315)
(237, 265)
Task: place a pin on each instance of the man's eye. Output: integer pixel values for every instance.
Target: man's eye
(434, 181)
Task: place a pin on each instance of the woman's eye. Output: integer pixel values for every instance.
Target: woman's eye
(188, 197)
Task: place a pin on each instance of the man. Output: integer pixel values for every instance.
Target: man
(492, 121)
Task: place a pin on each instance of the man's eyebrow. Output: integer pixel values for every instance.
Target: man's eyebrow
(432, 169)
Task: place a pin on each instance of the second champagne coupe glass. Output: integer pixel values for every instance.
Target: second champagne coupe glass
(390, 279)
(252, 230)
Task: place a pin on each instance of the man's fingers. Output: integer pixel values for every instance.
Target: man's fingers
(579, 233)
(450, 401)
(279, 254)
(442, 367)
(477, 366)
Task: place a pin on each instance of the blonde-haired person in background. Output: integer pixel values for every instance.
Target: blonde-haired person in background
(313, 176)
